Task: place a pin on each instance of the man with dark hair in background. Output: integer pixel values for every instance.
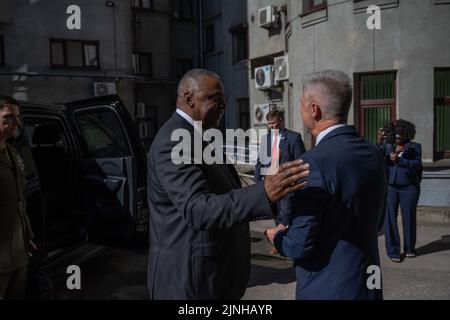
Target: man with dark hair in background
(291, 146)
(15, 231)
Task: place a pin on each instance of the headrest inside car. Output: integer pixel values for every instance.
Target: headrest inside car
(47, 134)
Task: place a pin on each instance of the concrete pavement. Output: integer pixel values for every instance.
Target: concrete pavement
(121, 275)
(425, 277)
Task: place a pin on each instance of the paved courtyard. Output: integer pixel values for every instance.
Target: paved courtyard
(425, 277)
(119, 274)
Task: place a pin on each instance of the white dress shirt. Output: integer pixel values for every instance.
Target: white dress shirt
(327, 131)
(188, 118)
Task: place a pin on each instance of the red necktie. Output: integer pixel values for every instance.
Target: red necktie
(275, 149)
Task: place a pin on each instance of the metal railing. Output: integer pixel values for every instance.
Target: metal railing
(241, 155)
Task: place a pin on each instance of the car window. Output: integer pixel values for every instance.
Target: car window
(104, 135)
(44, 135)
(43, 132)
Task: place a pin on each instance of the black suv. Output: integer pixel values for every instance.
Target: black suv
(86, 174)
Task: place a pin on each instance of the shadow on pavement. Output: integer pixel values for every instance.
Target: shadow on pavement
(442, 244)
(263, 275)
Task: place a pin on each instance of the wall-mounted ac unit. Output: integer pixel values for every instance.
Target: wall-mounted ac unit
(140, 110)
(104, 88)
(281, 68)
(264, 77)
(260, 112)
(267, 17)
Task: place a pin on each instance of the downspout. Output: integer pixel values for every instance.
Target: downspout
(201, 39)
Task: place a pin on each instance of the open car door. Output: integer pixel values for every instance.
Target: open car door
(114, 169)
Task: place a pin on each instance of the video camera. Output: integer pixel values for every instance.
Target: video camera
(389, 134)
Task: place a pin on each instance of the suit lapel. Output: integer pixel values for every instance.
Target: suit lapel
(228, 172)
(269, 143)
(283, 139)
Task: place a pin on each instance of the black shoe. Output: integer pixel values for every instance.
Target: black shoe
(396, 260)
(410, 255)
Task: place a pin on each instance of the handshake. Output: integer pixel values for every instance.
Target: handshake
(270, 233)
(289, 178)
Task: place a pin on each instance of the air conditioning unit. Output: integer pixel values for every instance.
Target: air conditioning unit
(260, 113)
(281, 68)
(264, 77)
(267, 17)
(143, 130)
(140, 110)
(104, 88)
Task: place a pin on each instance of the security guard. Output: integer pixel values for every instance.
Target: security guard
(405, 173)
(15, 231)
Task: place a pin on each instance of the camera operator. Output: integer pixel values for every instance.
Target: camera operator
(386, 136)
(404, 175)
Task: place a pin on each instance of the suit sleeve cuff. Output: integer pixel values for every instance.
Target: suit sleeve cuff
(283, 219)
(278, 242)
(262, 209)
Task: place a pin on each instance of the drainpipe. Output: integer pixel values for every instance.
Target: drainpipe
(112, 5)
(201, 39)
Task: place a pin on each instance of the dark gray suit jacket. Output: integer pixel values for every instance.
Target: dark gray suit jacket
(292, 147)
(199, 233)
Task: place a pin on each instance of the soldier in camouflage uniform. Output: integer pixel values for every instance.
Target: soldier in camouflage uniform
(15, 231)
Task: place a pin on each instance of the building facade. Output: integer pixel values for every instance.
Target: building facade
(138, 49)
(45, 62)
(399, 71)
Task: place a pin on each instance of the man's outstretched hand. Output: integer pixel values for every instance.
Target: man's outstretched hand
(286, 180)
(270, 233)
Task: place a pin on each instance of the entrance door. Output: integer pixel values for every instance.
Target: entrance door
(441, 114)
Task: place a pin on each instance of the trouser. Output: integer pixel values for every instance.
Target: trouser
(13, 284)
(407, 197)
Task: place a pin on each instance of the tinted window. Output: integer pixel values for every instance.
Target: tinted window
(47, 141)
(104, 135)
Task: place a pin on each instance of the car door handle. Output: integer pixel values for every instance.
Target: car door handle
(113, 184)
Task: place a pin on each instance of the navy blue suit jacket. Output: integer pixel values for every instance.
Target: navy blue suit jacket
(333, 238)
(407, 169)
(292, 147)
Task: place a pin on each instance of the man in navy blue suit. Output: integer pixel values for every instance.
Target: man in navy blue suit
(333, 234)
(291, 146)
